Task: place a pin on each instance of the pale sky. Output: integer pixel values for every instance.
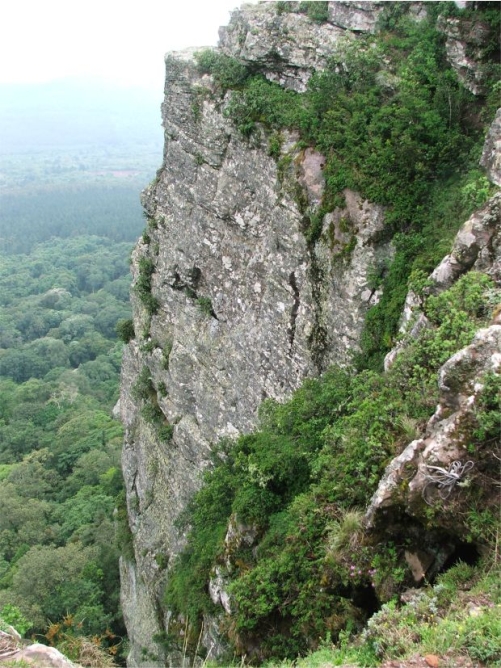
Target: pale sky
(121, 40)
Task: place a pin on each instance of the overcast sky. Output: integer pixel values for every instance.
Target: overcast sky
(121, 40)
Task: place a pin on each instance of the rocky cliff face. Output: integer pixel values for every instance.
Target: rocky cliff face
(434, 468)
(232, 304)
(247, 309)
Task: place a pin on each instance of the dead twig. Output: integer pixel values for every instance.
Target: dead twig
(445, 479)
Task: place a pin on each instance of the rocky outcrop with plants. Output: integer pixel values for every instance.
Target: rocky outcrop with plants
(281, 486)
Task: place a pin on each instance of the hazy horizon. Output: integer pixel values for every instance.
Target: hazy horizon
(111, 41)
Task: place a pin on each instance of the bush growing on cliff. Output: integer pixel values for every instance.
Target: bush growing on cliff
(227, 72)
(316, 11)
(302, 482)
(395, 124)
(143, 286)
(205, 306)
(125, 330)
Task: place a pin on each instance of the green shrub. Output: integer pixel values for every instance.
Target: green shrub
(151, 412)
(205, 306)
(11, 615)
(275, 145)
(284, 7)
(162, 388)
(476, 191)
(488, 410)
(316, 11)
(123, 535)
(143, 286)
(165, 432)
(125, 330)
(228, 72)
(166, 353)
(143, 387)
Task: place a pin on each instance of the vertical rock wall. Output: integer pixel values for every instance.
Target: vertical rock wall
(246, 307)
(241, 306)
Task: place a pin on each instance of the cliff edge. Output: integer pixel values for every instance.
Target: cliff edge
(244, 283)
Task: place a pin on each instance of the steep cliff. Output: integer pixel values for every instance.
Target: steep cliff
(246, 312)
(244, 284)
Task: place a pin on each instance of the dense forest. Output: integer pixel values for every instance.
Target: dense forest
(60, 478)
(106, 210)
(69, 202)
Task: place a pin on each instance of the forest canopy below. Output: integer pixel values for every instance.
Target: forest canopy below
(60, 478)
(70, 212)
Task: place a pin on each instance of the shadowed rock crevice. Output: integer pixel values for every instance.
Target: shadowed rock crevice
(294, 309)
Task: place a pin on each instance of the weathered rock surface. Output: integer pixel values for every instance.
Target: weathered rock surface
(14, 652)
(491, 155)
(477, 246)
(356, 16)
(287, 46)
(237, 535)
(409, 485)
(226, 233)
(464, 44)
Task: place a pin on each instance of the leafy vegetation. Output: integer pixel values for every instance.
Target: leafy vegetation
(458, 618)
(316, 11)
(143, 285)
(227, 72)
(300, 484)
(125, 330)
(205, 306)
(60, 478)
(395, 124)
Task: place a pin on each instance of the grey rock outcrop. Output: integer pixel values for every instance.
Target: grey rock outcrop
(477, 246)
(408, 484)
(356, 16)
(491, 155)
(465, 40)
(286, 45)
(247, 308)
